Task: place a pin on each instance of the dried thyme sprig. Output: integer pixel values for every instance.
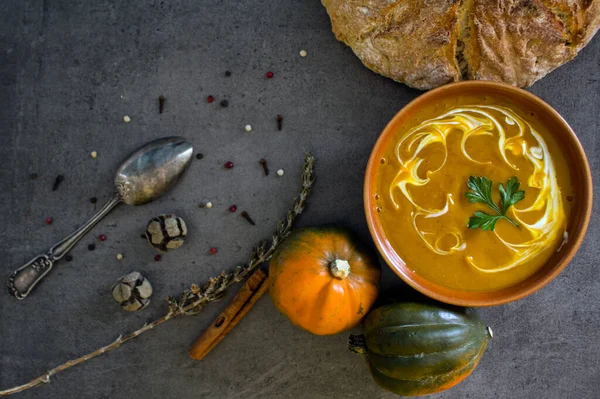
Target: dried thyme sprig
(192, 301)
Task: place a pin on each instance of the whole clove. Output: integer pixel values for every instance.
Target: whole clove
(161, 104)
(59, 179)
(245, 215)
(279, 120)
(263, 163)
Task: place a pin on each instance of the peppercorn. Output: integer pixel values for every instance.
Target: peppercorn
(232, 208)
(210, 99)
(199, 156)
(213, 250)
(269, 75)
(227, 73)
(224, 103)
(91, 247)
(101, 238)
(93, 200)
(49, 220)
(68, 258)
(157, 257)
(228, 165)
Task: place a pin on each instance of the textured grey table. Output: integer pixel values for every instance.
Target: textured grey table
(69, 72)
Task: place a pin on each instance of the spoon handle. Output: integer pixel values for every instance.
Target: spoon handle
(22, 280)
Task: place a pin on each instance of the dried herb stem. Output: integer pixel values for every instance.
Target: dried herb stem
(192, 301)
(45, 379)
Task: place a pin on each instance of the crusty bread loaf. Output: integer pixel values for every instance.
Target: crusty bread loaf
(428, 43)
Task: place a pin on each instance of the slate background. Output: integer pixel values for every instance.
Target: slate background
(69, 72)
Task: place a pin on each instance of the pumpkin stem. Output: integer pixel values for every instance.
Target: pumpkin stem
(357, 344)
(340, 268)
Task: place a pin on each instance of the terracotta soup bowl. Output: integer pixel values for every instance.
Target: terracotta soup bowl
(568, 143)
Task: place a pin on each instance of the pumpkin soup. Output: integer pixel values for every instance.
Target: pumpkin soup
(473, 196)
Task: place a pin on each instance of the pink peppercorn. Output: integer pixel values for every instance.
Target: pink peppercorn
(213, 250)
(210, 99)
(157, 257)
(49, 220)
(102, 237)
(232, 208)
(228, 165)
(269, 75)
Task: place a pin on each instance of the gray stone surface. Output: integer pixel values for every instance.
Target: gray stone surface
(69, 72)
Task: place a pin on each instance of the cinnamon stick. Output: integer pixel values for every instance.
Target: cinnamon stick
(252, 290)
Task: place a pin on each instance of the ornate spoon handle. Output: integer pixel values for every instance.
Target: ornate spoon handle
(22, 280)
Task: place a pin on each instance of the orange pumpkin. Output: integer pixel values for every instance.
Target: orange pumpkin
(323, 279)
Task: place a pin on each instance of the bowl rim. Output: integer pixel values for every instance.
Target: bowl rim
(579, 219)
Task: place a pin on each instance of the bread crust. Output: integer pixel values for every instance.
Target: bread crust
(428, 43)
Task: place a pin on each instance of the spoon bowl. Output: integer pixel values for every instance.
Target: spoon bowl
(152, 170)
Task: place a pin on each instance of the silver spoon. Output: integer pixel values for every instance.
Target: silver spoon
(144, 176)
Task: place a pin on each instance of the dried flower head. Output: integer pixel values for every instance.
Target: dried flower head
(132, 292)
(166, 232)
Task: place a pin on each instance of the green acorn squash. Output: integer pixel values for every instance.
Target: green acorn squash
(418, 349)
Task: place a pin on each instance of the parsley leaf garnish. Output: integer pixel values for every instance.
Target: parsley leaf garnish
(481, 191)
